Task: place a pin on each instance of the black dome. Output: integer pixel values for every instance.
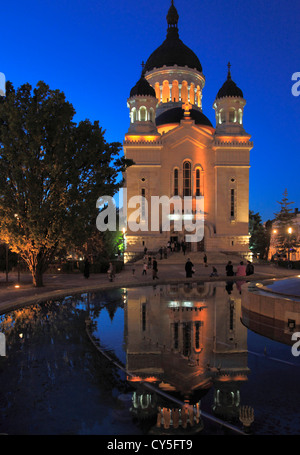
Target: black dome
(177, 113)
(172, 51)
(142, 88)
(229, 88)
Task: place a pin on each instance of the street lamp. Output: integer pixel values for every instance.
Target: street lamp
(124, 231)
(290, 230)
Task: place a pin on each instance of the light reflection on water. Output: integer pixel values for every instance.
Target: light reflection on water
(189, 344)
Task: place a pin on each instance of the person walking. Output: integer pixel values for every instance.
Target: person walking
(189, 268)
(144, 268)
(154, 269)
(229, 269)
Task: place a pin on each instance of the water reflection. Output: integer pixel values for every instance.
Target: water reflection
(172, 359)
(186, 339)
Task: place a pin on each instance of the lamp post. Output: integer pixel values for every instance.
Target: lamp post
(290, 230)
(124, 231)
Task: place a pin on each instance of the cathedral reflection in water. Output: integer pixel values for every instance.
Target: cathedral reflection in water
(183, 341)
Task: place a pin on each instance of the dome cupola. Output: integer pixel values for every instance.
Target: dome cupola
(229, 107)
(142, 105)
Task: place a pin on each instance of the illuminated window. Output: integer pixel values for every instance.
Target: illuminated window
(232, 116)
(240, 119)
(187, 187)
(157, 90)
(151, 114)
(143, 114)
(133, 115)
(165, 92)
(175, 91)
(184, 92)
(192, 94)
(176, 174)
(198, 182)
(223, 116)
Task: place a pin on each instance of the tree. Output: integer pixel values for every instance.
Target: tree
(52, 171)
(259, 239)
(286, 240)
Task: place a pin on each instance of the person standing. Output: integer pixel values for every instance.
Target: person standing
(229, 269)
(86, 270)
(249, 268)
(205, 260)
(189, 268)
(161, 252)
(241, 269)
(154, 269)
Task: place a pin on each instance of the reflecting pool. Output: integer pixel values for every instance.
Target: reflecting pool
(184, 359)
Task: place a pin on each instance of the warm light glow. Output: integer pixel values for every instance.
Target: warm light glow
(233, 138)
(124, 230)
(17, 286)
(139, 379)
(290, 230)
(274, 232)
(140, 138)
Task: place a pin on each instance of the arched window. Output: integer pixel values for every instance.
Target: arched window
(232, 116)
(187, 187)
(143, 114)
(175, 182)
(223, 116)
(240, 117)
(165, 92)
(192, 93)
(151, 114)
(198, 193)
(175, 91)
(133, 115)
(157, 90)
(198, 96)
(184, 92)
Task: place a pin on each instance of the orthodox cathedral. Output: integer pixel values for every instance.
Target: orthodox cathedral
(177, 152)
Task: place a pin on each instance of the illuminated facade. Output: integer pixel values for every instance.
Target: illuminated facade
(178, 152)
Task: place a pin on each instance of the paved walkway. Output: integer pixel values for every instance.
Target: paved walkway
(59, 285)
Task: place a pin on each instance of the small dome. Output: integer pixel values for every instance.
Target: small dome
(142, 88)
(229, 88)
(176, 114)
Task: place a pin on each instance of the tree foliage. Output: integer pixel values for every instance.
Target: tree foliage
(52, 171)
(286, 238)
(259, 242)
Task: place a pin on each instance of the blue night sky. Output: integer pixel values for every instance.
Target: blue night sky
(92, 50)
